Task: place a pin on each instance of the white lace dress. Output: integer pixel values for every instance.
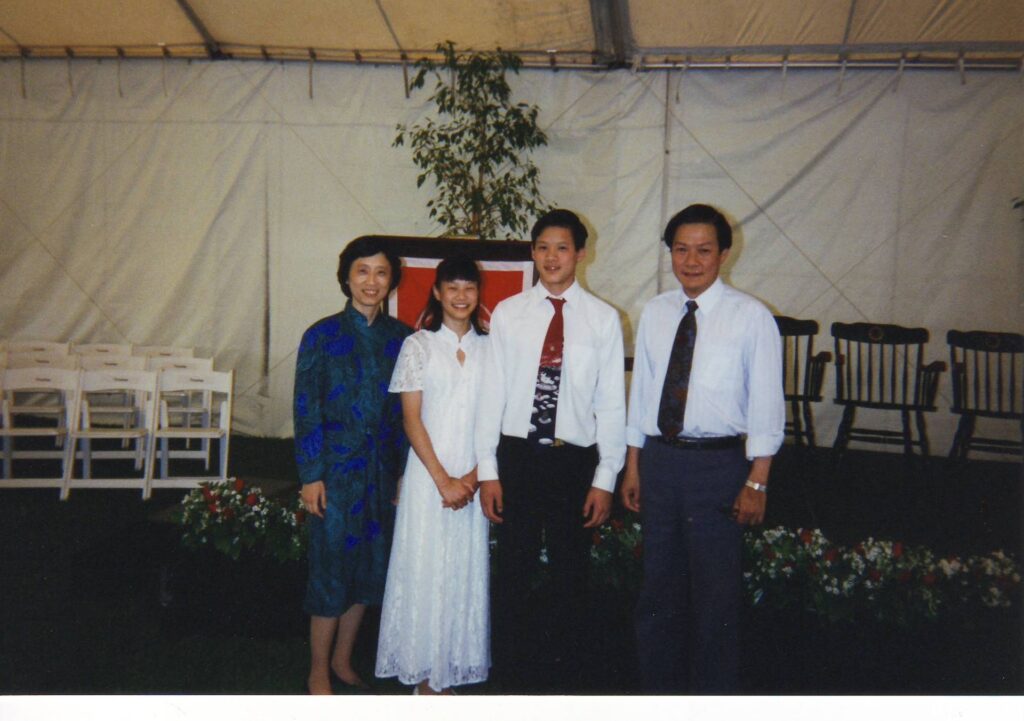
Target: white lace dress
(435, 621)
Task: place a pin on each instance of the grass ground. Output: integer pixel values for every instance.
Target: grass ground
(97, 595)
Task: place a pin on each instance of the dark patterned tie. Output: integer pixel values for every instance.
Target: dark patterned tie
(677, 377)
(549, 376)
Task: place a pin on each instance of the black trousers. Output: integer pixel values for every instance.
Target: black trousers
(687, 617)
(544, 489)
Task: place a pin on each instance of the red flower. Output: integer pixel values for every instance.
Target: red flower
(300, 516)
(251, 500)
(597, 538)
(207, 494)
(928, 579)
(228, 513)
(769, 552)
(806, 536)
(813, 568)
(212, 507)
(239, 485)
(638, 550)
(859, 548)
(831, 555)
(617, 524)
(875, 575)
(897, 549)
(904, 577)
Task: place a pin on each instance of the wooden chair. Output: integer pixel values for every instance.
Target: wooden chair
(988, 382)
(882, 367)
(803, 372)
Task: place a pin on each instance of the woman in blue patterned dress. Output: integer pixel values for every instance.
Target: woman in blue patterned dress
(349, 447)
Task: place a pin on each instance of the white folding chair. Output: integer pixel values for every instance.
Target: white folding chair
(168, 351)
(102, 349)
(37, 346)
(59, 389)
(218, 386)
(187, 405)
(117, 405)
(47, 404)
(87, 428)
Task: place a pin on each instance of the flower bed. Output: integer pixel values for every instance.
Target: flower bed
(884, 580)
(783, 569)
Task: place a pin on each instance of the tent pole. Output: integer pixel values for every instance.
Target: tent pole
(666, 156)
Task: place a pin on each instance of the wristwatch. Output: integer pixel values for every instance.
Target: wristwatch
(759, 487)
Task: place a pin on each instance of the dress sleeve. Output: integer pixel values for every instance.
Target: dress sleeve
(408, 374)
(308, 410)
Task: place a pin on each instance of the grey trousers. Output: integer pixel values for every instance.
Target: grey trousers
(687, 617)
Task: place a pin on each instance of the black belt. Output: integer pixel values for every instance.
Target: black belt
(714, 443)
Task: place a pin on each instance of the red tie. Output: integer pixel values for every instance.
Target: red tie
(549, 377)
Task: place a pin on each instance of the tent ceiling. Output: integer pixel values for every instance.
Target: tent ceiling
(590, 33)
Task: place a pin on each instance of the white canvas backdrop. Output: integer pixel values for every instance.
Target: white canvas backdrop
(204, 204)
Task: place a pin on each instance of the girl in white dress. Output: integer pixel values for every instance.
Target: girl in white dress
(435, 620)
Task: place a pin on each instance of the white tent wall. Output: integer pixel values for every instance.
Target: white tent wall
(205, 203)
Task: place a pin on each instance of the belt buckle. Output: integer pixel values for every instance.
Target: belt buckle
(557, 443)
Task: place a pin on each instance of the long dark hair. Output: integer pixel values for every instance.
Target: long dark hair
(457, 267)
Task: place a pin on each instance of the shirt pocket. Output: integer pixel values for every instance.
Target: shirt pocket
(580, 366)
(717, 366)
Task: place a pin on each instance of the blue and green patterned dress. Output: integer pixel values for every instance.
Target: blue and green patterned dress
(348, 433)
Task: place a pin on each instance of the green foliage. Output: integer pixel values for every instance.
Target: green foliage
(232, 517)
(885, 581)
(475, 150)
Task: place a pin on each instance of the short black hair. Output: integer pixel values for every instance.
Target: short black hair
(699, 213)
(456, 267)
(364, 247)
(561, 218)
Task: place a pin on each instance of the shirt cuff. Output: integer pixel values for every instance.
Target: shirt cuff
(635, 437)
(766, 444)
(487, 469)
(604, 479)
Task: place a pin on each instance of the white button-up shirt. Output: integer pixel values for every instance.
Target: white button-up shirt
(591, 397)
(735, 383)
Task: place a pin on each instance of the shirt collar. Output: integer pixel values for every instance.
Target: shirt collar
(450, 337)
(358, 319)
(707, 300)
(571, 294)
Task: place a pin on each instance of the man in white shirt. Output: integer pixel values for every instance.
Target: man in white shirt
(706, 415)
(550, 442)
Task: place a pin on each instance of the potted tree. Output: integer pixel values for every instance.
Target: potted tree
(476, 150)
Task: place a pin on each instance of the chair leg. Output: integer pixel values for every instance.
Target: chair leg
(843, 434)
(8, 455)
(922, 432)
(809, 425)
(965, 441)
(223, 444)
(147, 483)
(86, 458)
(68, 468)
(165, 453)
(798, 432)
(955, 448)
(908, 438)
